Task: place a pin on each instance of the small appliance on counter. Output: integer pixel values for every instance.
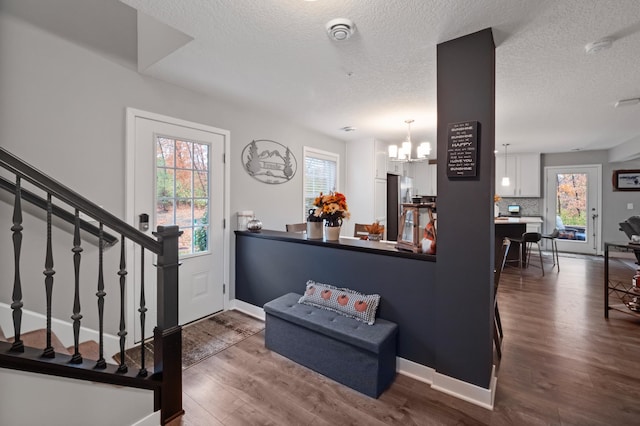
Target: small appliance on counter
(514, 210)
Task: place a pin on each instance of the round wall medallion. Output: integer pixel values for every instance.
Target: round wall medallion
(269, 161)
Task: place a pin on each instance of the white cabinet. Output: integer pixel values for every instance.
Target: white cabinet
(395, 167)
(366, 183)
(534, 227)
(381, 155)
(523, 171)
(425, 178)
(433, 179)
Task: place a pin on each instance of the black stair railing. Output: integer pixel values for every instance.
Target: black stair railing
(166, 380)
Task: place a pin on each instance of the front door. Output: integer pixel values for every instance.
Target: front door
(573, 204)
(178, 179)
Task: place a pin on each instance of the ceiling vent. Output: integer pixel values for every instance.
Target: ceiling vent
(340, 29)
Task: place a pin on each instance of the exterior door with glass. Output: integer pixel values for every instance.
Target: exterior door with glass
(179, 180)
(572, 205)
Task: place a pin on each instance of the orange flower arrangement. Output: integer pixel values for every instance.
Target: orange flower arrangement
(332, 207)
(375, 228)
(496, 198)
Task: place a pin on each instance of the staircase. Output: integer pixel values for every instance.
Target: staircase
(89, 349)
(39, 350)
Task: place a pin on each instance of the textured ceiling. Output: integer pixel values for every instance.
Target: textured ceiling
(550, 95)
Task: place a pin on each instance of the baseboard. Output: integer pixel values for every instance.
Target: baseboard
(64, 330)
(466, 391)
(416, 371)
(153, 419)
(247, 308)
(471, 393)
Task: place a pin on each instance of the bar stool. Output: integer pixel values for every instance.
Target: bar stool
(525, 242)
(554, 246)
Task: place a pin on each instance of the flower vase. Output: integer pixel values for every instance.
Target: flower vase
(332, 233)
(496, 210)
(314, 230)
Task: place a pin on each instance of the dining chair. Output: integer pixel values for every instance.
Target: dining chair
(360, 229)
(497, 323)
(524, 245)
(554, 245)
(296, 227)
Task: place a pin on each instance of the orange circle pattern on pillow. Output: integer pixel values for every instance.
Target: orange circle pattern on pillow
(360, 306)
(343, 301)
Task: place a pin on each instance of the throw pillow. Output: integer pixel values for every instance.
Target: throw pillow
(343, 301)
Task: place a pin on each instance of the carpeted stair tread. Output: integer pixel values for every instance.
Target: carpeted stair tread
(38, 339)
(89, 350)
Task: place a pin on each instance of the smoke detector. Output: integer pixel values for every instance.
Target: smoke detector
(340, 29)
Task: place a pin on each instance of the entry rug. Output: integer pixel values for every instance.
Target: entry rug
(202, 339)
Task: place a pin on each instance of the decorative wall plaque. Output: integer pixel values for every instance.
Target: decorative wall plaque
(462, 149)
(269, 161)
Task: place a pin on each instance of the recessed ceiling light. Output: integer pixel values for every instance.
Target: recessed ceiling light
(348, 129)
(599, 45)
(627, 102)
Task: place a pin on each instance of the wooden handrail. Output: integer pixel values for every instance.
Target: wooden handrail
(65, 215)
(75, 200)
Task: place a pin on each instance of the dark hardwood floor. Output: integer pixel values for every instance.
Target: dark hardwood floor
(562, 363)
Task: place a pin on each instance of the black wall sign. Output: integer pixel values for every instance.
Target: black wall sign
(462, 149)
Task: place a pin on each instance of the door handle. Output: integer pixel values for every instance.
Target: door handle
(143, 222)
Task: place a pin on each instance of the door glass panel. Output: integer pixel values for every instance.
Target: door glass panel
(571, 206)
(182, 191)
(200, 184)
(185, 241)
(184, 184)
(165, 183)
(164, 152)
(184, 214)
(164, 212)
(200, 156)
(183, 155)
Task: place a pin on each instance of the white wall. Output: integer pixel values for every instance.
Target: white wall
(32, 399)
(62, 109)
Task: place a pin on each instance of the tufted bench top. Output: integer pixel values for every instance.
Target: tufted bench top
(334, 325)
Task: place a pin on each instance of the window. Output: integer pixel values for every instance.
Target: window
(182, 191)
(320, 175)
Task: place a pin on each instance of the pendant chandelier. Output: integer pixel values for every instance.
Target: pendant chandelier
(403, 153)
(505, 177)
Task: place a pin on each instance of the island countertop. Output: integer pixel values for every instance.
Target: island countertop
(503, 220)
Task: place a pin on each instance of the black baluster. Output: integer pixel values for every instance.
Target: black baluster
(143, 311)
(17, 304)
(101, 363)
(48, 281)
(122, 368)
(76, 317)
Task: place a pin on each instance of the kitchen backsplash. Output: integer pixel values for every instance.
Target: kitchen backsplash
(528, 206)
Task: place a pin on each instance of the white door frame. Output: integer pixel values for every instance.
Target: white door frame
(130, 216)
(598, 202)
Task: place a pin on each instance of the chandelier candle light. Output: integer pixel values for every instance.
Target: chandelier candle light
(403, 153)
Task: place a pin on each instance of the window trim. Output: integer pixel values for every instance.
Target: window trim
(308, 151)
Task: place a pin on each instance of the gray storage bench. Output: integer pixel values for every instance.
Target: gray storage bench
(346, 350)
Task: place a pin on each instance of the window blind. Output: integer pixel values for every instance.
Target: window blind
(320, 175)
